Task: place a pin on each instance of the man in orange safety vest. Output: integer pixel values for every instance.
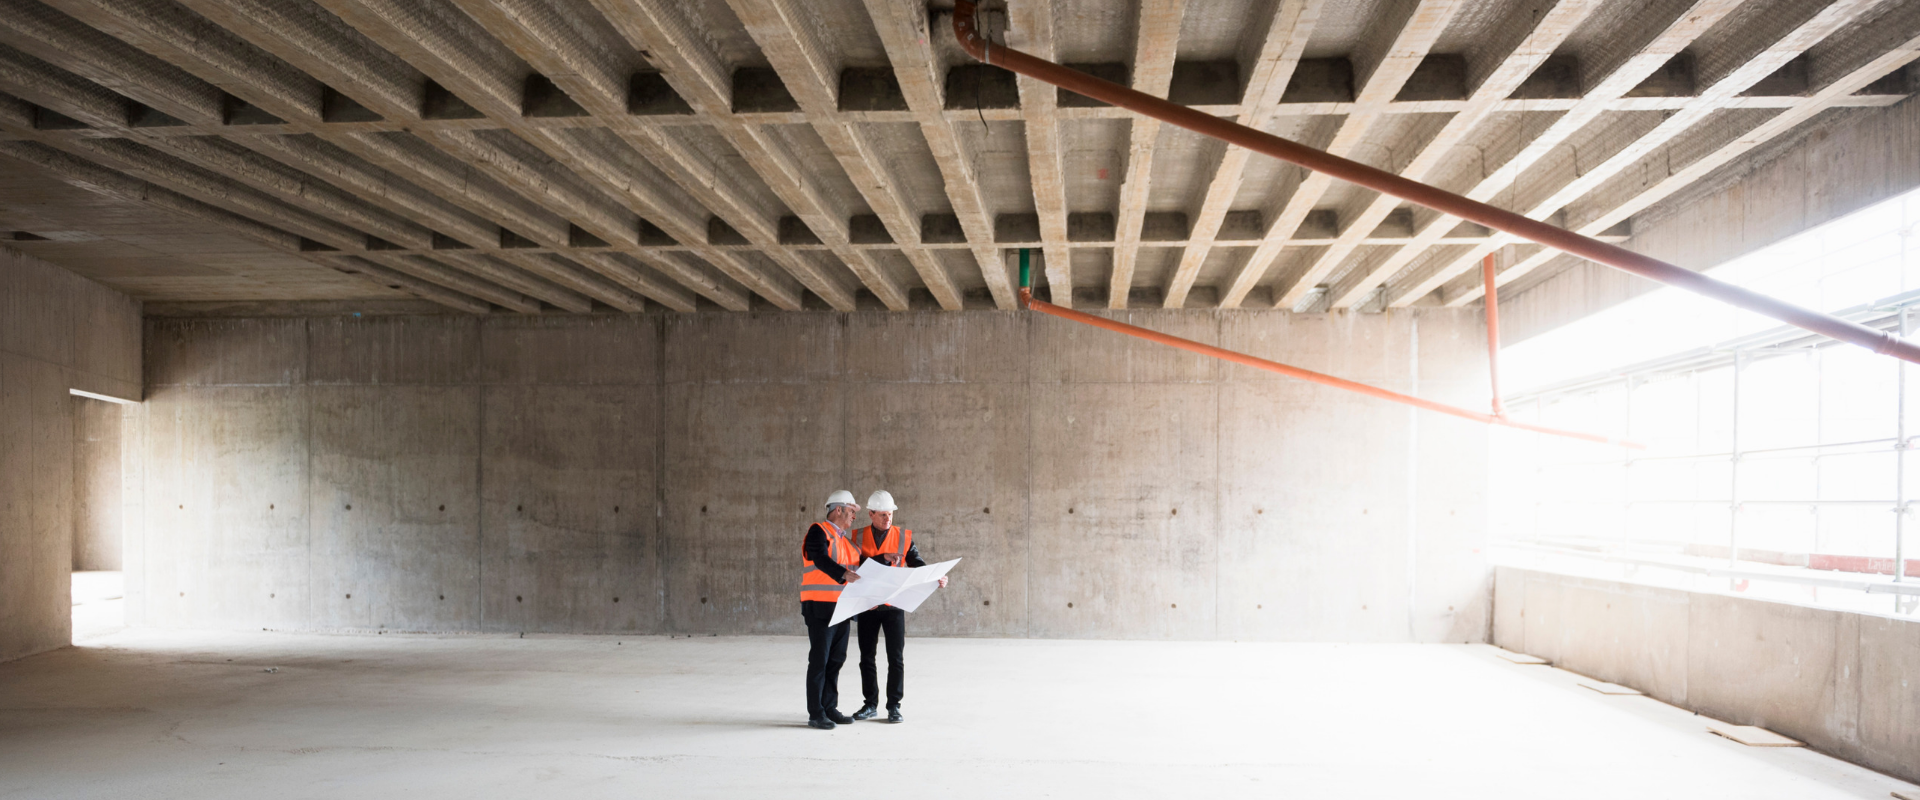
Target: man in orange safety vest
(828, 555)
(893, 546)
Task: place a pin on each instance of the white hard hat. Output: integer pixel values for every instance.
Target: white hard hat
(881, 501)
(841, 498)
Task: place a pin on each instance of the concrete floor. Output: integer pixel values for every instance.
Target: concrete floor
(188, 714)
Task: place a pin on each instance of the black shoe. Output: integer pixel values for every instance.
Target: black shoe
(866, 712)
(839, 718)
(893, 715)
(821, 723)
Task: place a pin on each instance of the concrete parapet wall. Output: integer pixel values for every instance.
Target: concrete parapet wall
(58, 332)
(449, 473)
(1839, 681)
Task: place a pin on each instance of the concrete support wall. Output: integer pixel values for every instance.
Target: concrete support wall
(58, 332)
(1839, 167)
(521, 473)
(1839, 681)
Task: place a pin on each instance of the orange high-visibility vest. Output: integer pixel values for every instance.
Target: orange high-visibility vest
(899, 541)
(814, 584)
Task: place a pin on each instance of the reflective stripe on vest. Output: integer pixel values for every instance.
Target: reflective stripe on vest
(814, 583)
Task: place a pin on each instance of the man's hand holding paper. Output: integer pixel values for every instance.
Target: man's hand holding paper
(901, 587)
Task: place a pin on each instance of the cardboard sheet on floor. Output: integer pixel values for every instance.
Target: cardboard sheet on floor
(1609, 688)
(901, 587)
(1752, 736)
(1519, 658)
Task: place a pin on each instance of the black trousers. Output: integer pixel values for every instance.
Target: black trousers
(894, 622)
(826, 652)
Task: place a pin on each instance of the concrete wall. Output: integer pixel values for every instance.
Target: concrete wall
(58, 332)
(1841, 682)
(520, 473)
(1840, 164)
(97, 484)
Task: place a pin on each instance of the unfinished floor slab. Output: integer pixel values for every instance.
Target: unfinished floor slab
(211, 715)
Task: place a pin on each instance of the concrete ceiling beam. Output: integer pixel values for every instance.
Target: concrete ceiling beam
(512, 277)
(96, 178)
(1632, 55)
(432, 271)
(1765, 44)
(566, 273)
(189, 179)
(193, 43)
(56, 38)
(908, 35)
(1030, 29)
(509, 161)
(1403, 37)
(1152, 67)
(70, 46)
(689, 64)
(458, 182)
(620, 267)
(813, 76)
(1274, 64)
(321, 45)
(1516, 49)
(457, 51)
(1874, 50)
(320, 158)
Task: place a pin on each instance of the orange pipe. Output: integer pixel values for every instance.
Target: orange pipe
(1414, 191)
(1493, 336)
(1189, 345)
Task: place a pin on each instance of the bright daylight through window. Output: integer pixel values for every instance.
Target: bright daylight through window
(1774, 461)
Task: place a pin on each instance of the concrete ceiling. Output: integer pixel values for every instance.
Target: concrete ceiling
(568, 155)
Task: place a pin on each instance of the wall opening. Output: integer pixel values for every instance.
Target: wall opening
(99, 532)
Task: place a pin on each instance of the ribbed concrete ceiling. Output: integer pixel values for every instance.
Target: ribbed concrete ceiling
(573, 155)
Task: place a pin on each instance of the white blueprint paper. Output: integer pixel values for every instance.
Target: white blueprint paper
(902, 587)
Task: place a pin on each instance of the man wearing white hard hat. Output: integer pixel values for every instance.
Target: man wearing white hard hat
(828, 556)
(893, 546)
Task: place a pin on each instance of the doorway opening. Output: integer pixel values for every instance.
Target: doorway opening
(99, 509)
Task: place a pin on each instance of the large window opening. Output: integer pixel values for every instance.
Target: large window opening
(1778, 463)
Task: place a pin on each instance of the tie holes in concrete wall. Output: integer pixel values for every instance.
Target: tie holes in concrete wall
(1069, 605)
(703, 601)
(183, 594)
(443, 508)
(1176, 605)
(516, 598)
(270, 595)
(616, 509)
(1258, 607)
(349, 506)
(443, 597)
(703, 509)
(986, 602)
(616, 599)
(986, 511)
(269, 506)
(349, 597)
(1069, 510)
(519, 508)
